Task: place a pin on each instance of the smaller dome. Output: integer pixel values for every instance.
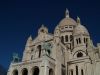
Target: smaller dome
(80, 29)
(57, 27)
(56, 31)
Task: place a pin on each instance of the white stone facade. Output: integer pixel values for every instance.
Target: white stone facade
(69, 51)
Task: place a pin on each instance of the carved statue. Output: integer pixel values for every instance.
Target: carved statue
(47, 47)
(15, 58)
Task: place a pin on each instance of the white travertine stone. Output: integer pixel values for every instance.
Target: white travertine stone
(60, 54)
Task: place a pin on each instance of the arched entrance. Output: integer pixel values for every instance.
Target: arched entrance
(51, 72)
(39, 49)
(15, 72)
(35, 71)
(24, 71)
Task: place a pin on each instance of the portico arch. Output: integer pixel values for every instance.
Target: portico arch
(51, 72)
(24, 71)
(35, 71)
(15, 72)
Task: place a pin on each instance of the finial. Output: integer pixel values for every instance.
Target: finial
(67, 13)
(29, 41)
(42, 25)
(78, 20)
(30, 38)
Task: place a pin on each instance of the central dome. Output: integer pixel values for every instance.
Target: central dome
(67, 21)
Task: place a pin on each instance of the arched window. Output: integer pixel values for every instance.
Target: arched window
(42, 30)
(79, 54)
(62, 39)
(66, 38)
(71, 37)
(51, 72)
(76, 70)
(79, 40)
(39, 49)
(71, 72)
(63, 70)
(84, 40)
(31, 57)
(82, 73)
(35, 71)
(24, 71)
(15, 72)
(32, 50)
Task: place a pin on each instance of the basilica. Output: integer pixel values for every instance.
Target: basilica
(68, 51)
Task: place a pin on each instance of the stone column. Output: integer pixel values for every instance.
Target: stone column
(67, 71)
(30, 71)
(44, 69)
(74, 70)
(79, 69)
(20, 71)
(58, 68)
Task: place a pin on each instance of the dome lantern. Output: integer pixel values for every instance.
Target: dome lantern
(78, 20)
(67, 13)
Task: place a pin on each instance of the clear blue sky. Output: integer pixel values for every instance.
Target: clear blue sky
(21, 18)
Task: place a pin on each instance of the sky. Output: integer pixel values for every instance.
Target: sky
(21, 18)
